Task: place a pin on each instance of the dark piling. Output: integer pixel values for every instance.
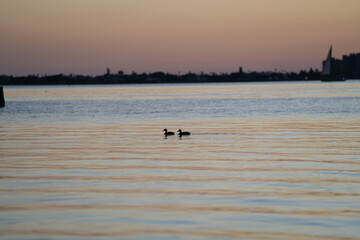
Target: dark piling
(2, 99)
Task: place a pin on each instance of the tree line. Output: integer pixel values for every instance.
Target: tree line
(159, 77)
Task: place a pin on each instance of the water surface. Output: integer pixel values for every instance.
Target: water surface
(264, 161)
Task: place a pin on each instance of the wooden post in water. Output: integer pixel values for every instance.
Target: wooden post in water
(2, 99)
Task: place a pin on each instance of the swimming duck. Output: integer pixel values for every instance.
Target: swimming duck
(181, 133)
(166, 133)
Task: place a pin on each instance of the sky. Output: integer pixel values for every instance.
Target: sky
(175, 36)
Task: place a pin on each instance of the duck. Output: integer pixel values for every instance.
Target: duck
(181, 133)
(166, 133)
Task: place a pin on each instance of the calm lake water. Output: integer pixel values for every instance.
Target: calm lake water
(264, 161)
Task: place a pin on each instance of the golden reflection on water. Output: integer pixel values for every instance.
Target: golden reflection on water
(241, 178)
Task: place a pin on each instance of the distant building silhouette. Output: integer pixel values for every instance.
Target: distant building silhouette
(328, 64)
(347, 67)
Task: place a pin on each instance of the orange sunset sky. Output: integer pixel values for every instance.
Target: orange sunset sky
(87, 36)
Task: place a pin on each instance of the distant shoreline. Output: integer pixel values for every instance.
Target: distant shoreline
(146, 82)
(164, 78)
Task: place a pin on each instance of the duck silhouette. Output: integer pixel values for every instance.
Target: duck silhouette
(181, 133)
(166, 133)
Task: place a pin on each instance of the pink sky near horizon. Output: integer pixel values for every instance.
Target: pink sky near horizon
(87, 36)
